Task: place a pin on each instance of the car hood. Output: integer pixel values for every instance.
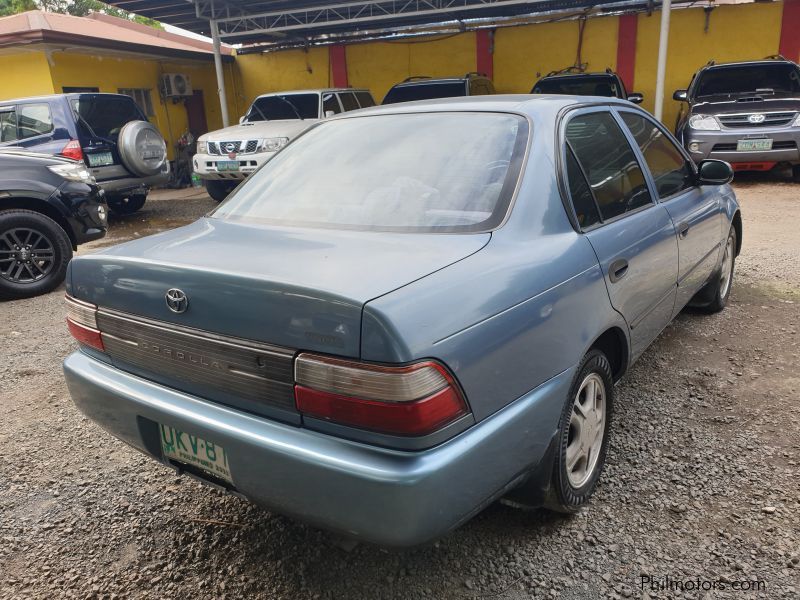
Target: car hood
(726, 104)
(297, 288)
(260, 129)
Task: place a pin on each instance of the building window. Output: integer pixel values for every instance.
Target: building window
(142, 99)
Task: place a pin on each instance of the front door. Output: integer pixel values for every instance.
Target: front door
(632, 235)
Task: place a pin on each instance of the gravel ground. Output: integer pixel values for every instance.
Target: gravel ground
(701, 483)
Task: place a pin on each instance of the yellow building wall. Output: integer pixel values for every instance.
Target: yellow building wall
(735, 32)
(525, 53)
(112, 73)
(25, 74)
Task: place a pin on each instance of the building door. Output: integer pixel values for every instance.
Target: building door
(196, 112)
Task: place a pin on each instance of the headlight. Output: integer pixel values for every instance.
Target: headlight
(202, 147)
(73, 172)
(796, 121)
(703, 123)
(273, 144)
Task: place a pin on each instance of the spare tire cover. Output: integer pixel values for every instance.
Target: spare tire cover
(142, 148)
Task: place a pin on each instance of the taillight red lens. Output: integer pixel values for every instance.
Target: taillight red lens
(82, 323)
(73, 150)
(410, 400)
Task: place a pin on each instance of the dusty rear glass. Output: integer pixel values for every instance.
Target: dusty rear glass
(434, 172)
(284, 107)
(426, 91)
(744, 79)
(581, 85)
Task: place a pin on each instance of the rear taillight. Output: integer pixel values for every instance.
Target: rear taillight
(415, 399)
(82, 323)
(73, 150)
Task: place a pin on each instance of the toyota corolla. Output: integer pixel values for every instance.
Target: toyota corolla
(409, 312)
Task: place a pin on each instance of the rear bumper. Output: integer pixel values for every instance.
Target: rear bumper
(386, 497)
(722, 145)
(130, 184)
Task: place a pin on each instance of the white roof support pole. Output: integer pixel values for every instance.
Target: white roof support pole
(663, 40)
(223, 96)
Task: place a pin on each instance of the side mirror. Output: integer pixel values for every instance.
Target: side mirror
(241, 120)
(329, 114)
(635, 97)
(714, 172)
(680, 95)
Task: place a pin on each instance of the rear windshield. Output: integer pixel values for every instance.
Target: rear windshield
(581, 85)
(407, 173)
(283, 107)
(744, 79)
(105, 116)
(425, 91)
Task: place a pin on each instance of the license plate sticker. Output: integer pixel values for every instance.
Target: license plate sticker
(753, 145)
(228, 165)
(100, 159)
(195, 451)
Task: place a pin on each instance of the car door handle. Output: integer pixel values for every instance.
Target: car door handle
(617, 270)
(683, 229)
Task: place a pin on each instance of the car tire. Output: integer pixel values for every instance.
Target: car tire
(128, 205)
(719, 288)
(34, 254)
(583, 434)
(219, 190)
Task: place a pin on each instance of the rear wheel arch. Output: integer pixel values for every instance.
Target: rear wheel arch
(613, 343)
(43, 207)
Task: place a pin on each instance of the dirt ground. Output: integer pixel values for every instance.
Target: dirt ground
(701, 487)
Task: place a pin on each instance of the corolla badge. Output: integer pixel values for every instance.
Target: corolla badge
(756, 118)
(177, 301)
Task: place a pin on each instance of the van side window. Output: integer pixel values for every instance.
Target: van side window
(8, 125)
(33, 120)
(669, 168)
(607, 159)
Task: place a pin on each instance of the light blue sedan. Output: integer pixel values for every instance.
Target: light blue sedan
(409, 312)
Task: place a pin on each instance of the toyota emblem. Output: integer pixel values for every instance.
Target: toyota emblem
(177, 301)
(756, 118)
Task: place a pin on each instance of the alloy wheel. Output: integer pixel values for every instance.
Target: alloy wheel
(26, 255)
(586, 430)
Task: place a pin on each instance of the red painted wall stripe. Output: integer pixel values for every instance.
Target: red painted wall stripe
(790, 30)
(338, 58)
(484, 51)
(626, 49)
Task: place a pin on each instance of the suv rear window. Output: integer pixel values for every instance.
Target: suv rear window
(579, 85)
(425, 91)
(743, 79)
(105, 116)
(406, 173)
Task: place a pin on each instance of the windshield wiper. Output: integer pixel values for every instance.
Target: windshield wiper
(261, 112)
(292, 106)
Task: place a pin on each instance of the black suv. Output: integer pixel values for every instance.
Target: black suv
(428, 88)
(48, 205)
(577, 83)
(746, 113)
(108, 132)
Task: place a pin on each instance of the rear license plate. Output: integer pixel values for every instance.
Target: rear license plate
(100, 159)
(753, 145)
(195, 451)
(228, 165)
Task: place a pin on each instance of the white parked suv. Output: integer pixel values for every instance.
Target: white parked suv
(226, 157)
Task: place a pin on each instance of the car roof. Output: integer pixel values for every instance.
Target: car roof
(567, 75)
(747, 63)
(313, 91)
(46, 97)
(436, 80)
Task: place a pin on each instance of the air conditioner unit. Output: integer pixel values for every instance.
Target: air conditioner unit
(175, 85)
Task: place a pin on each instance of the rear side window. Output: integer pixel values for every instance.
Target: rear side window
(581, 195)
(670, 170)
(33, 120)
(365, 99)
(330, 103)
(349, 101)
(603, 152)
(8, 125)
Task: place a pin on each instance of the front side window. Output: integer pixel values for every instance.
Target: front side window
(669, 168)
(613, 174)
(33, 120)
(8, 125)
(407, 173)
(284, 107)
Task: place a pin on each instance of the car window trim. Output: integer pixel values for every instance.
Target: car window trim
(568, 148)
(561, 129)
(663, 130)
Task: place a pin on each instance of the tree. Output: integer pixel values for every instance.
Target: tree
(12, 7)
(78, 8)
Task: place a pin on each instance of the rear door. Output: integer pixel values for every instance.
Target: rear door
(632, 235)
(695, 211)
